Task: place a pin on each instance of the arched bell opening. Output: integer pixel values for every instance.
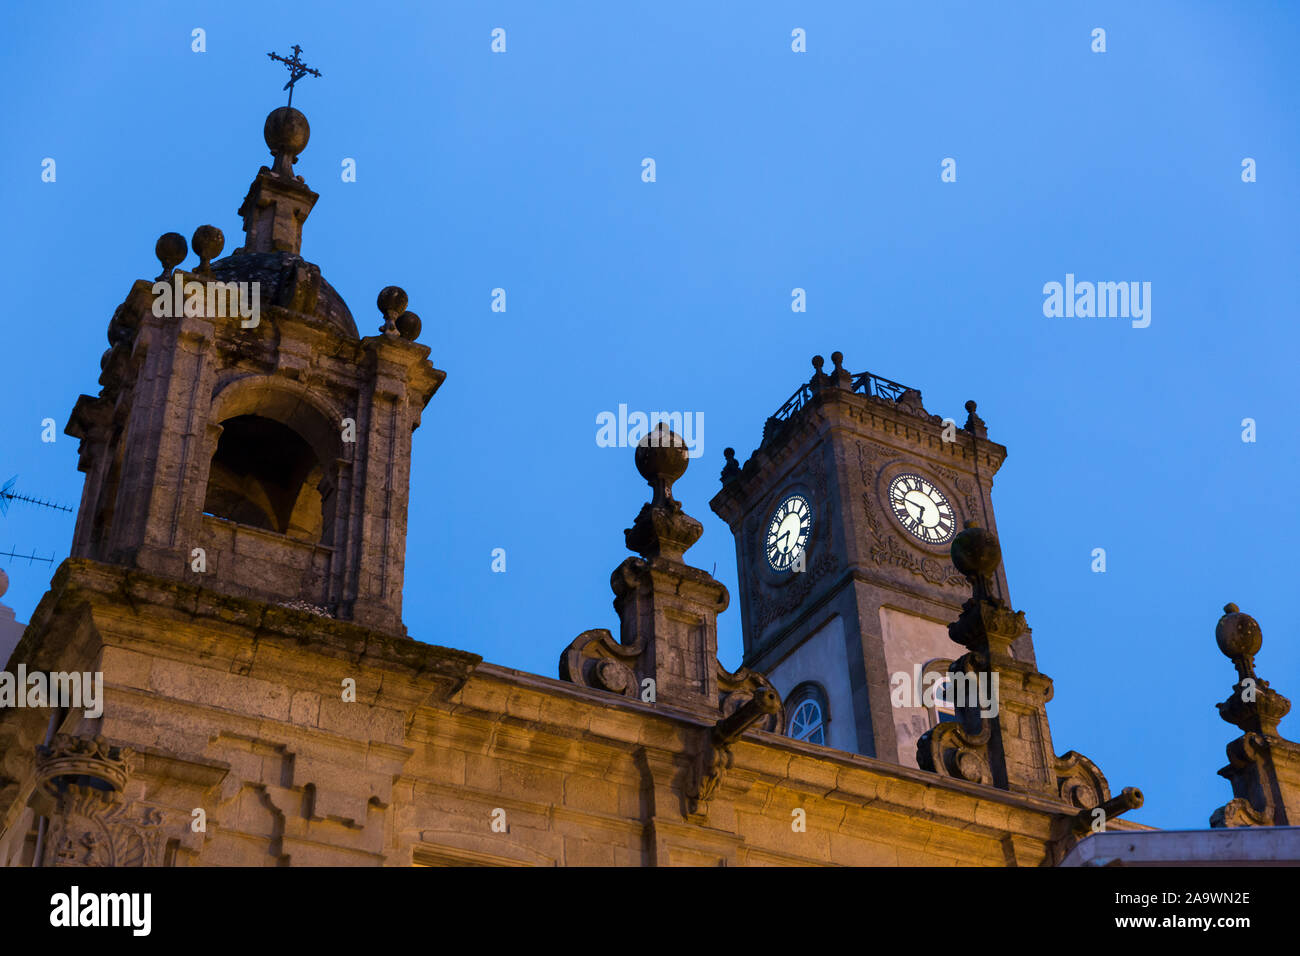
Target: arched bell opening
(265, 475)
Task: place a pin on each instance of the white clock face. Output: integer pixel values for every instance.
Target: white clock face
(787, 532)
(922, 509)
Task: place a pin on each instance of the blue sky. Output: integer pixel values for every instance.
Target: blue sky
(775, 170)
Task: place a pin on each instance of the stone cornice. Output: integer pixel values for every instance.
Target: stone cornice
(567, 710)
(242, 628)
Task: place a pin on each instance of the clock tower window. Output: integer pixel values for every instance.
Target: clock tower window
(809, 714)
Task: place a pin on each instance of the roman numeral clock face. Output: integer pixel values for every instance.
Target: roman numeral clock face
(787, 532)
(922, 509)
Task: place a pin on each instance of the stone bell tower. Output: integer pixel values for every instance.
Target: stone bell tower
(843, 517)
(246, 438)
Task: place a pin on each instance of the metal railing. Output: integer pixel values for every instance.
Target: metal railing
(863, 382)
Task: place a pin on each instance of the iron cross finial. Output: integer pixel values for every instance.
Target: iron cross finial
(297, 69)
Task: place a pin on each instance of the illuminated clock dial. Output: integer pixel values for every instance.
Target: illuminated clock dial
(922, 509)
(787, 532)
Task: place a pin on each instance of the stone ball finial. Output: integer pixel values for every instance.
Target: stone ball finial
(732, 468)
(171, 251)
(392, 303)
(408, 326)
(662, 529)
(1238, 635)
(974, 424)
(841, 377)
(976, 551)
(208, 241)
(392, 300)
(818, 362)
(661, 458)
(286, 133)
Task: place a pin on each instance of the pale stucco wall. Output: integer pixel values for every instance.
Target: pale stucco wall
(823, 659)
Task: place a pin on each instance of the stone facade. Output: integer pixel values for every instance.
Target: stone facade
(236, 577)
(233, 707)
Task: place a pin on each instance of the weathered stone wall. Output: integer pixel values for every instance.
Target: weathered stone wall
(263, 563)
(237, 708)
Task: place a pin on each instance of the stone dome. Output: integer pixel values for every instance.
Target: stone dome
(274, 269)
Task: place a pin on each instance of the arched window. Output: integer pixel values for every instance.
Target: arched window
(264, 474)
(944, 707)
(809, 714)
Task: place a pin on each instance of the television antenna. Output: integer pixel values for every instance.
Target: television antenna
(29, 558)
(7, 494)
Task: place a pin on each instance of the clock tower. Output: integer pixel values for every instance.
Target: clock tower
(843, 519)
